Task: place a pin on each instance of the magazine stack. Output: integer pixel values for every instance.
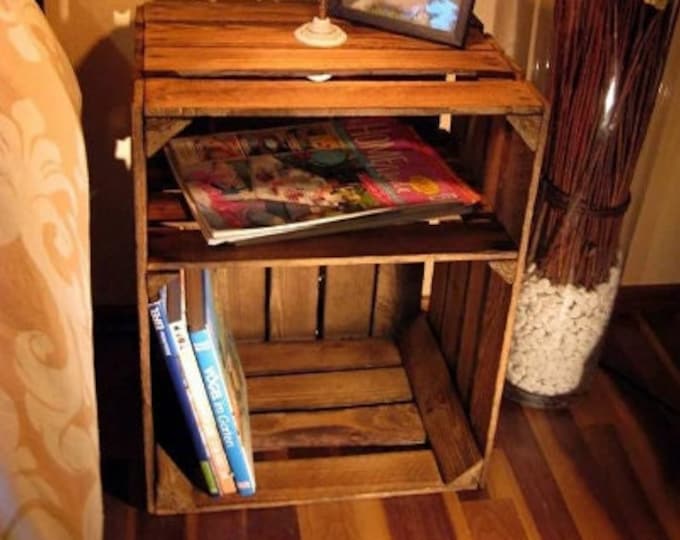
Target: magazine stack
(314, 178)
(208, 380)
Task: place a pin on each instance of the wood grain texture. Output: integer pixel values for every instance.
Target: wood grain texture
(489, 352)
(503, 484)
(651, 442)
(293, 303)
(435, 312)
(382, 425)
(348, 301)
(303, 480)
(578, 477)
(438, 402)
(328, 390)
(195, 38)
(494, 519)
(514, 185)
(632, 506)
(346, 520)
(495, 157)
(240, 295)
(324, 355)
(418, 517)
(221, 97)
(473, 312)
(451, 241)
(140, 203)
(260, 524)
(287, 13)
(242, 33)
(539, 487)
(397, 297)
(453, 317)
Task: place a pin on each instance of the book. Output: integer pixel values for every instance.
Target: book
(159, 319)
(177, 323)
(222, 375)
(274, 182)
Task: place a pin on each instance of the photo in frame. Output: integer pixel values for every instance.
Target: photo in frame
(438, 20)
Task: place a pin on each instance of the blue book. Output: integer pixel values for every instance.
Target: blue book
(222, 375)
(159, 318)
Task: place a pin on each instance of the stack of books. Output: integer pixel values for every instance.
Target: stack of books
(207, 376)
(314, 178)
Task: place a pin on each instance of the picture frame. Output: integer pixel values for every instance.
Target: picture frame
(444, 21)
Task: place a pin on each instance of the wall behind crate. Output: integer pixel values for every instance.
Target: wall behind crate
(98, 37)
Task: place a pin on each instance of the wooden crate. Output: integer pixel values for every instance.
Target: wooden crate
(365, 378)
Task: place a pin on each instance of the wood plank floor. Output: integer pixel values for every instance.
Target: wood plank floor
(606, 468)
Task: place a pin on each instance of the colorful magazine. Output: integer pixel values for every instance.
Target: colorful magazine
(266, 182)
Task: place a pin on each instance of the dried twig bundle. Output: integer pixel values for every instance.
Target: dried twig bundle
(608, 62)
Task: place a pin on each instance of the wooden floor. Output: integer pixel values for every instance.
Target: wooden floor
(609, 467)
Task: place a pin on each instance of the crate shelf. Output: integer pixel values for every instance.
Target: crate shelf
(375, 358)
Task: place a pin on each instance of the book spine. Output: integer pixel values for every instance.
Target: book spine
(224, 410)
(199, 397)
(160, 323)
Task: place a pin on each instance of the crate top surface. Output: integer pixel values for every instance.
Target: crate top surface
(242, 38)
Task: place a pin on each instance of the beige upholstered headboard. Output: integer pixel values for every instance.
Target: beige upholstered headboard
(49, 452)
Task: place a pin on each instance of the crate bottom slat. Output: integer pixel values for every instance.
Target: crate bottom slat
(382, 425)
(298, 481)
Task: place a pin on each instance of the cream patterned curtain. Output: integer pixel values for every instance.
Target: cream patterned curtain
(49, 452)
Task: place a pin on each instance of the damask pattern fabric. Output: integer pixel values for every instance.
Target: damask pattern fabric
(49, 452)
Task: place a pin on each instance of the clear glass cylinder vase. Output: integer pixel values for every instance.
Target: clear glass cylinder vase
(557, 339)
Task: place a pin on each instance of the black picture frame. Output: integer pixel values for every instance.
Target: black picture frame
(428, 19)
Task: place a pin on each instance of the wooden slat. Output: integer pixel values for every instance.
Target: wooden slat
(453, 318)
(328, 390)
(241, 11)
(447, 427)
(514, 185)
(140, 198)
(496, 145)
(382, 425)
(492, 332)
(296, 60)
(237, 35)
(440, 274)
(196, 97)
(293, 303)
(304, 480)
(325, 355)
(397, 297)
(240, 299)
(472, 317)
(286, 13)
(171, 249)
(348, 301)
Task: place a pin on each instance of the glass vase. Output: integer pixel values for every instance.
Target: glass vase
(557, 339)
